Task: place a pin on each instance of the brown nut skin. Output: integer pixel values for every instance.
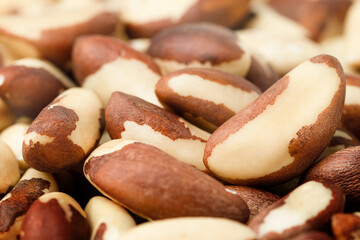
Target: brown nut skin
(321, 201)
(55, 216)
(205, 107)
(340, 168)
(345, 226)
(227, 13)
(312, 235)
(137, 175)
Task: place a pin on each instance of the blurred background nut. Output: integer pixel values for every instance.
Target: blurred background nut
(345, 226)
(6, 116)
(312, 235)
(352, 35)
(9, 168)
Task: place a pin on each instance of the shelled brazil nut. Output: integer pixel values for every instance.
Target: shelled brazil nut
(9, 168)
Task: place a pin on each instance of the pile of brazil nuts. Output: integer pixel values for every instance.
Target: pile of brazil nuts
(179, 120)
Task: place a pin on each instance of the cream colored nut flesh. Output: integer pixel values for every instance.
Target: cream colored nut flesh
(9, 168)
(282, 132)
(108, 220)
(352, 35)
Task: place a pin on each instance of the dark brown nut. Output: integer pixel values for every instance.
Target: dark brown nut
(309, 207)
(352, 36)
(106, 64)
(155, 185)
(6, 116)
(132, 118)
(9, 168)
(52, 33)
(107, 219)
(346, 226)
(351, 113)
(146, 18)
(206, 97)
(191, 228)
(13, 136)
(261, 73)
(14, 205)
(199, 45)
(257, 200)
(55, 216)
(28, 85)
(341, 168)
(294, 127)
(312, 235)
(64, 132)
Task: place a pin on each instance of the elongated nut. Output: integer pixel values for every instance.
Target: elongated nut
(145, 18)
(345, 226)
(199, 45)
(309, 207)
(352, 36)
(217, 96)
(257, 200)
(52, 33)
(65, 132)
(107, 219)
(14, 205)
(341, 168)
(131, 118)
(55, 216)
(312, 235)
(191, 228)
(137, 175)
(9, 168)
(28, 85)
(106, 64)
(284, 130)
(13, 136)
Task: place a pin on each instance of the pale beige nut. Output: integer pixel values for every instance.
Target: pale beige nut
(9, 168)
(6, 57)
(129, 117)
(65, 132)
(106, 64)
(6, 116)
(8, 7)
(55, 216)
(345, 226)
(199, 45)
(14, 205)
(205, 97)
(309, 207)
(108, 220)
(28, 85)
(140, 44)
(284, 130)
(352, 35)
(191, 228)
(155, 185)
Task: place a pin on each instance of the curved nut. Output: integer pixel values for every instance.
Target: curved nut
(55, 216)
(65, 132)
(137, 175)
(9, 168)
(199, 45)
(106, 64)
(131, 118)
(210, 96)
(294, 127)
(309, 207)
(111, 222)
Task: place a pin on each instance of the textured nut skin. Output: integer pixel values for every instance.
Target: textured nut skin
(312, 235)
(256, 199)
(55, 216)
(215, 113)
(341, 168)
(136, 175)
(9, 168)
(345, 226)
(223, 148)
(64, 132)
(311, 220)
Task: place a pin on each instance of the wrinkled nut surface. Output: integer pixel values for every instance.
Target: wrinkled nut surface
(52, 33)
(146, 18)
(129, 117)
(106, 64)
(55, 216)
(64, 132)
(191, 228)
(341, 168)
(124, 171)
(9, 168)
(107, 219)
(345, 226)
(14, 205)
(307, 114)
(257, 200)
(309, 207)
(28, 85)
(199, 45)
(206, 96)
